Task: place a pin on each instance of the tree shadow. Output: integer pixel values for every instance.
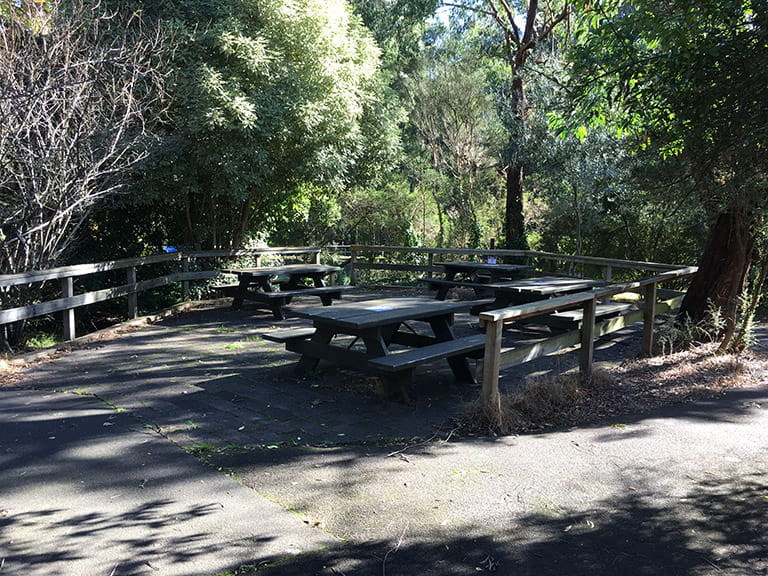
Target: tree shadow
(717, 528)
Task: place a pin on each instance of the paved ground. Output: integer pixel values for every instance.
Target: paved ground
(330, 479)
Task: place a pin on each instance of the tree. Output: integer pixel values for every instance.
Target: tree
(452, 113)
(524, 25)
(80, 93)
(692, 78)
(269, 97)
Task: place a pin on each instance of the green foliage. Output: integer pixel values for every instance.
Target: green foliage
(269, 96)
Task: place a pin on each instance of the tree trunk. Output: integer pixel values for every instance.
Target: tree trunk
(722, 272)
(514, 223)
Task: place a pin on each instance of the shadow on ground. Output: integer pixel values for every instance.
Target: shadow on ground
(718, 528)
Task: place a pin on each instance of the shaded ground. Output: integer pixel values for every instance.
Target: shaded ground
(680, 490)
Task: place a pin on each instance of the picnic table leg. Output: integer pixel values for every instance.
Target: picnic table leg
(276, 305)
(377, 344)
(307, 363)
(441, 326)
(242, 288)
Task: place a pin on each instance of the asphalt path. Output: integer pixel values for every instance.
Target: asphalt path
(190, 446)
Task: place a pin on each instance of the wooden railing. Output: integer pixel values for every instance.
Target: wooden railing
(496, 359)
(365, 258)
(66, 276)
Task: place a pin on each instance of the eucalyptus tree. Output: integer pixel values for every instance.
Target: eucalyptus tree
(692, 79)
(453, 115)
(522, 28)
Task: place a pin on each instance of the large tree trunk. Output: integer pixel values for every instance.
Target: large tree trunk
(722, 272)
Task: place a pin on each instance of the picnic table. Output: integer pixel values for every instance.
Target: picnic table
(475, 275)
(277, 285)
(532, 289)
(377, 325)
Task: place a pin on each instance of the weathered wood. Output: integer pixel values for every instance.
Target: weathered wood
(587, 338)
(81, 269)
(67, 291)
(649, 316)
(185, 281)
(24, 312)
(133, 298)
(490, 396)
(287, 335)
(331, 291)
(413, 357)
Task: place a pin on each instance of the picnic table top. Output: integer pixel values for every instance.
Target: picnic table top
(381, 312)
(546, 285)
(290, 269)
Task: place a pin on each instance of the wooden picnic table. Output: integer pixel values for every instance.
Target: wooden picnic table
(277, 285)
(473, 275)
(377, 325)
(532, 289)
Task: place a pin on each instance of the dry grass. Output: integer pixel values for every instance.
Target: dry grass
(632, 387)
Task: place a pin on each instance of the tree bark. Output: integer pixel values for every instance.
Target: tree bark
(723, 270)
(514, 223)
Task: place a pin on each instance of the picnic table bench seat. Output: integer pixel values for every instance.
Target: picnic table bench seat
(408, 359)
(289, 334)
(573, 318)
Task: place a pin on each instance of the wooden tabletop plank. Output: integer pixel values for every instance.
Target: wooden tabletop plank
(546, 285)
(380, 312)
(285, 269)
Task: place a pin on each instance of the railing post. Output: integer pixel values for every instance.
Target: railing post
(607, 274)
(587, 339)
(490, 396)
(317, 257)
(649, 316)
(257, 258)
(185, 282)
(133, 297)
(67, 291)
(352, 267)
(430, 263)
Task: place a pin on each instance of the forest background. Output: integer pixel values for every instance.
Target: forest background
(633, 130)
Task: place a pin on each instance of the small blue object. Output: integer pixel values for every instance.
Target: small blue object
(169, 249)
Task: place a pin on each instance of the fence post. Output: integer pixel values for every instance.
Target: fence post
(317, 257)
(587, 339)
(430, 263)
(352, 267)
(491, 398)
(67, 291)
(185, 282)
(649, 316)
(133, 297)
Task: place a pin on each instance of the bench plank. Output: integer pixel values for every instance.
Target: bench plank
(289, 334)
(411, 358)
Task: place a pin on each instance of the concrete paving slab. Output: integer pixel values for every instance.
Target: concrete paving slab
(85, 490)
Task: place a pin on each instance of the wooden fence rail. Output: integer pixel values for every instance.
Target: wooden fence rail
(66, 275)
(495, 358)
(363, 257)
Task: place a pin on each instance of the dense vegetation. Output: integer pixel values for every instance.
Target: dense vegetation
(630, 129)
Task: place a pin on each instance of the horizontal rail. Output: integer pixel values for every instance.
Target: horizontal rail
(543, 306)
(82, 269)
(253, 252)
(495, 359)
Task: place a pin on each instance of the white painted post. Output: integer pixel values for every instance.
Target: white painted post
(67, 291)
